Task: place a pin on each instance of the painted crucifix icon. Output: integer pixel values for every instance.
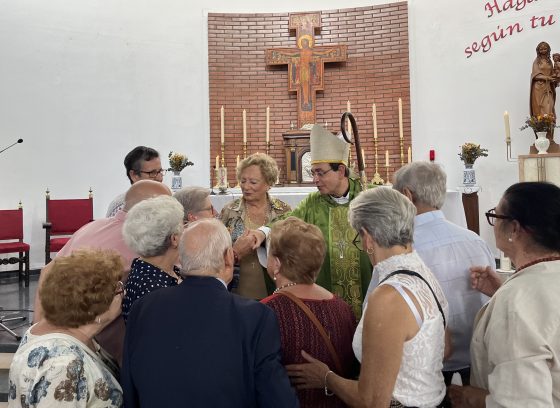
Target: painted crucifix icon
(306, 63)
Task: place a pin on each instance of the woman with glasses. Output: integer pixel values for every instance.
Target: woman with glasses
(255, 174)
(515, 347)
(400, 338)
(58, 362)
(152, 229)
(297, 251)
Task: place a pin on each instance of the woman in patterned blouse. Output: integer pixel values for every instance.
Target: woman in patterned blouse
(152, 229)
(58, 362)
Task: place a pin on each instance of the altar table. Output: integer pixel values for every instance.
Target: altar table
(452, 208)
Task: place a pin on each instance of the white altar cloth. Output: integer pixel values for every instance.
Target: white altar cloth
(452, 208)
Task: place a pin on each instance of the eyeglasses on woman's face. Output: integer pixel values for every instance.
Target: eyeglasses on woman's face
(491, 216)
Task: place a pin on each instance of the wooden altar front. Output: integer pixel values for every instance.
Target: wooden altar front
(298, 157)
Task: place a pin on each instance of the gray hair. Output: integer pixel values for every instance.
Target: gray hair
(426, 182)
(192, 199)
(386, 214)
(202, 247)
(150, 224)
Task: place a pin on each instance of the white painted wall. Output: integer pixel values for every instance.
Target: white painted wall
(84, 82)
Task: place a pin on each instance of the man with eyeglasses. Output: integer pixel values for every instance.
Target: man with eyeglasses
(346, 271)
(141, 163)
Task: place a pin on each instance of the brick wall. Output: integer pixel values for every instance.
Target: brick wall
(377, 71)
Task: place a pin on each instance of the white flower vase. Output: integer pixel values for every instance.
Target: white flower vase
(176, 181)
(469, 176)
(542, 143)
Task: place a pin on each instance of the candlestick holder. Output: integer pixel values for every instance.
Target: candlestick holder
(388, 183)
(377, 180)
(509, 157)
(268, 147)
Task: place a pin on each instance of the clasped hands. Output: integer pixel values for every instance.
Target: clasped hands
(248, 242)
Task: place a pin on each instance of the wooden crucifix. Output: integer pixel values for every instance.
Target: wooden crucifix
(305, 63)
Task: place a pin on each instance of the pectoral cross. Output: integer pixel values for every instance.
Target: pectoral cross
(341, 244)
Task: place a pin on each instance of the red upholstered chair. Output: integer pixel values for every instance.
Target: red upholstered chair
(64, 217)
(11, 229)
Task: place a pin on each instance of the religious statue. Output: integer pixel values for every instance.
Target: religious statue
(543, 83)
(544, 80)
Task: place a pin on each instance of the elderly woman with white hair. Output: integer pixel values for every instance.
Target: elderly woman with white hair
(152, 229)
(400, 337)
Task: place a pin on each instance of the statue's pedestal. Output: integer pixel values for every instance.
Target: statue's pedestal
(540, 167)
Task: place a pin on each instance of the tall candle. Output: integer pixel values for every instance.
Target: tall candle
(348, 109)
(267, 124)
(409, 154)
(218, 161)
(244, 126)
(237, 162)
(374, 115)
(386, 158)
(364, 158)
(400, 119)
(506, 122)
(222, 124)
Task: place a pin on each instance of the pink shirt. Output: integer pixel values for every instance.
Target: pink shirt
(105, 233)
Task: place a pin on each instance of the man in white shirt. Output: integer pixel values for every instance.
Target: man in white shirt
(449, 251)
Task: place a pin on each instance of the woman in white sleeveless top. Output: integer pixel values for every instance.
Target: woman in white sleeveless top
(400, 338)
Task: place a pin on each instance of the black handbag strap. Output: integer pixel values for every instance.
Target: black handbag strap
(412, 273)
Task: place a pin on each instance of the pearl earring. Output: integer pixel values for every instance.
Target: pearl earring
(510, 239)
(98, 320)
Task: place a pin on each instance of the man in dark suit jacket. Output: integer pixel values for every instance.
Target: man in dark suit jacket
(198, 345)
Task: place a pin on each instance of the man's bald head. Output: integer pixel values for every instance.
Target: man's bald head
(142, 190)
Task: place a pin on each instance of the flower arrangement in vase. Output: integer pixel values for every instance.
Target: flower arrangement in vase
(177, 162)
(470, 152)
(540, 123)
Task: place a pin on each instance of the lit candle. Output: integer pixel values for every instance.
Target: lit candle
(237, 162)
(218, 161)
(267, 124)
(409, 154)
(506, 122)
(400, 119)
(222, 125)
(386, 158)
(374, 115)
(364, 158)
(244, 126)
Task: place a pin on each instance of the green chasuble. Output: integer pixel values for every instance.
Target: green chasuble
(346, 271)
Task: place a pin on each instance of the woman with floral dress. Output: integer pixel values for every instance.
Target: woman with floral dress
(58, 362)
